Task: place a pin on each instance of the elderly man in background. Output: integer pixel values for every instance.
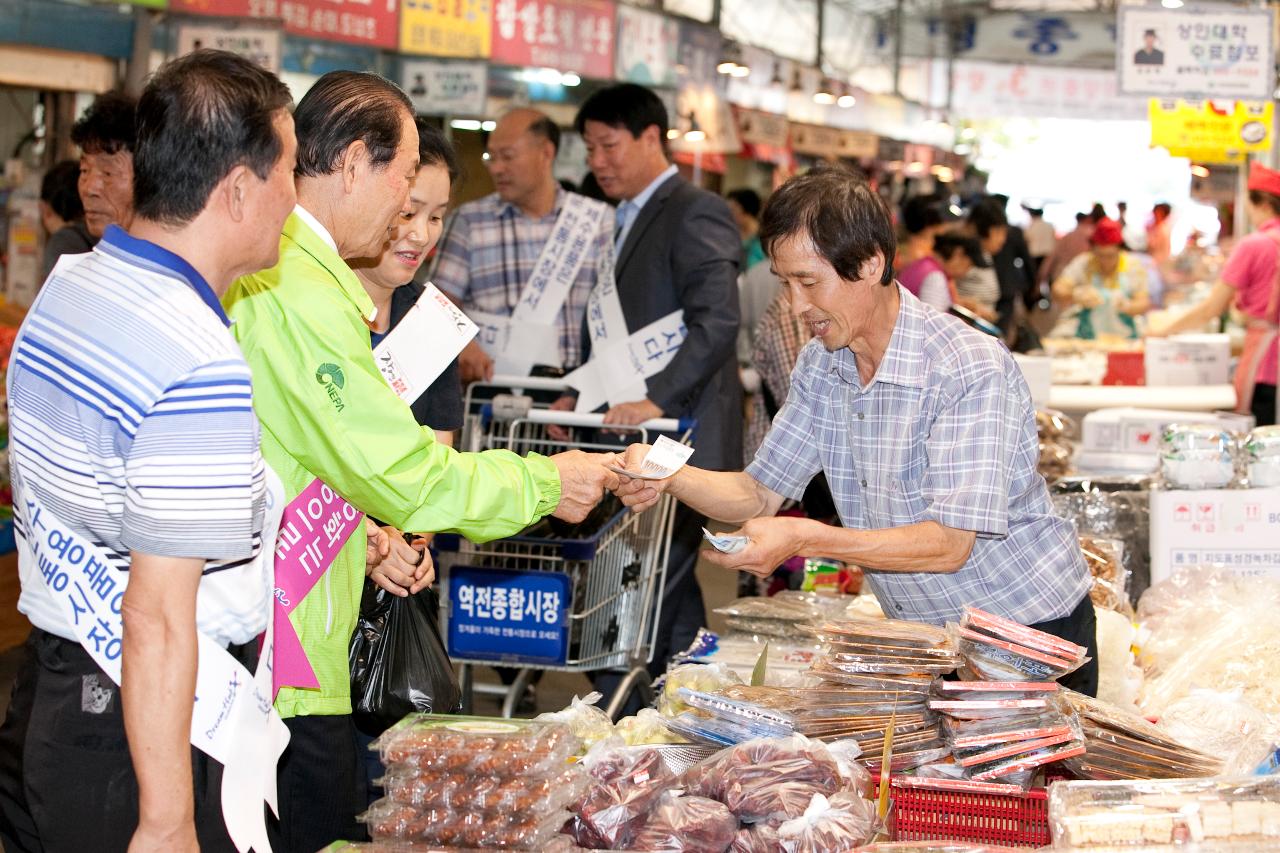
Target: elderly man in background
(106, 135)
(331, 422)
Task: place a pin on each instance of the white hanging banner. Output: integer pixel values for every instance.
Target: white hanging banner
(232, 720)
(531, 335)
(1197, 52)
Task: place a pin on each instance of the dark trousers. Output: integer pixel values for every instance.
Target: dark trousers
(682, 613)
(66, 777)
(322, 783)
(1264, 404)
(1079, 627)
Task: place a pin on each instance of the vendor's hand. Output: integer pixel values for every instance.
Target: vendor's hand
(633, 492)
(774, 540)
(406, 569)
(377, 548)
(474, 364)
(583, 480)
(1086, 297)
(630, 414)
(564, 404)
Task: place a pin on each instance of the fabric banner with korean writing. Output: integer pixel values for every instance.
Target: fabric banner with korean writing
(992, 90)
(368, 22)
(1075, 39)
(568, 35)
(456, 28)
(1204, 52)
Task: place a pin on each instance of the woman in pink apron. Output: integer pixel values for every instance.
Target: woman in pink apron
(1251, 278)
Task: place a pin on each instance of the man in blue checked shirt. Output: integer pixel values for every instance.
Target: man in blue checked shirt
(924, 428)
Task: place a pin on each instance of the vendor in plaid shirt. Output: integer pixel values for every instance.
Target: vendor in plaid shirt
(925, 431)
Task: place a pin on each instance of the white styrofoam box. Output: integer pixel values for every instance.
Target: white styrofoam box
(1236, 528)
(1038, 371)
(1099, 463)
(1188, 360)
(1125, 430)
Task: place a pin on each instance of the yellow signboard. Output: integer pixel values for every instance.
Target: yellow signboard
(458, 28)
(1211, 131)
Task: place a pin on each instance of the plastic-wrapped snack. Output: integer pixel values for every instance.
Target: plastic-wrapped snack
(777, 617)
(765, 722)
(753, 778)
(1124, 745)
(885, 632)
(588, 722)
(477, 745)
(626, 783)
(998, 649)
(838, 822)
(757, 838)
(1052, 424)
(646, 727)
(851, 664)
(687, 825)
(1055, 460)
(1208, 814)
(388, 820)
(917, 683)
(1105, 559)
(464, 792)
(706, 677)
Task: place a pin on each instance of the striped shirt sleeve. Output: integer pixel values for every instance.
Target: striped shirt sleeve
(194, 474)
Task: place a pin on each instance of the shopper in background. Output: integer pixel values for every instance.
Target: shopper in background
(954, 256)
(105, 135)
(156, 463)
(494, 245)
(925, 430)
(329, 415)
(62, 215)
(678, 250)
(1070, 246)
(922, 222)
(1041, 240)
(1102, 292)
(744, 204)
(1250, 279)
(1013, 266)
(1159, 234)
(779, 338)
(980, 287)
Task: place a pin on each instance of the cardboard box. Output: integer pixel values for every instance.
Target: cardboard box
(1189, 360)
(1236, 528)
(1126, 430)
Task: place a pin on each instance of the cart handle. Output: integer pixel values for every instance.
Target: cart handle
(525, 383)
(584, 419)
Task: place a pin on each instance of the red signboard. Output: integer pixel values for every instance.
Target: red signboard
(568, 35)
(375, 23)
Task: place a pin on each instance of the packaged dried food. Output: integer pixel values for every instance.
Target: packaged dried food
(757, 838)
(779, 617)
(477, 745)
(588, 722)
(388, 820)
(998, 649)
(1112, 508)
(839, 822)
(764, 721)
(686, 824)
(626, 783)
(918, 683)
(1052, 424)
(1000, 627)
(909, 759)
(1124, 745)
(1208, 814)
(759, 777)
(883, 665)
(466, 792)
(697, 727)
(887, 632)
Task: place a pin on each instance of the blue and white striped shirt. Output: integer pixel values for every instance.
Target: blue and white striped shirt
(131, 420)
(945, 432)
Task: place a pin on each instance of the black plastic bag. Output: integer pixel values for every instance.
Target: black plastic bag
(398, 661)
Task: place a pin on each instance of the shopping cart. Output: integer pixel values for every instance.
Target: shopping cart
(537, 601)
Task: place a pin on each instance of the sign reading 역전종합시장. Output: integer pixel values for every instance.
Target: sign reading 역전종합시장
(505, 615)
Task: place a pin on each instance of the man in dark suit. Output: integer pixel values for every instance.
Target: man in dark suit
(678, 249)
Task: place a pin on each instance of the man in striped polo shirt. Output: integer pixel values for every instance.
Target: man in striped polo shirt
(133, 433)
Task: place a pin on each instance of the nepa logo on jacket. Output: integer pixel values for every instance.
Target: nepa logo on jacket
(330, 376)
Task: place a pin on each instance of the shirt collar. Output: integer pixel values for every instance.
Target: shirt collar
(642, 197)
(117, 242)
(314, 224)
(310, 239)
(903, 361)
(507, 208)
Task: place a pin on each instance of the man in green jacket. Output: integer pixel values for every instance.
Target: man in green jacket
(328, 415)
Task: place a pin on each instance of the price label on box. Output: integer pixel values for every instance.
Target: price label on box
(509, 616)
(1238, 529)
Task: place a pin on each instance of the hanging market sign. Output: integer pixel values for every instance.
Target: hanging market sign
(1223, 53)
(759, 128)
(819, 141)
(258, 44)
(568, 35)
(457, 28)
(991, 90)
(647, 47)
(366, 22)
(1209, 132)
(698, 53)
(1079, 39)
(445, 88)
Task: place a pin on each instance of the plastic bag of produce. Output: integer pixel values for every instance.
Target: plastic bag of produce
(584, 718)
(398, 661)
(839, 822)
(687, 825)
(626, 784)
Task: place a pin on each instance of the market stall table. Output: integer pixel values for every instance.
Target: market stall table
(1078, 400)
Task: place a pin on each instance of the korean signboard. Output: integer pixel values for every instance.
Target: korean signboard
(367, 22)
(568, 35)
(445, 88)
(505, 615)
(1224, 53)
(647, 46)
(1211, 132)
(1078, 39)
(260, 44)
(458, 28)
(991, 90)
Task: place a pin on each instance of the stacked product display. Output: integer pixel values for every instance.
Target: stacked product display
(1201, 456)
(1057, 443)
(1120, 745)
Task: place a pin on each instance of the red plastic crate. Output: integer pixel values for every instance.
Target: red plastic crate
(1000, 820)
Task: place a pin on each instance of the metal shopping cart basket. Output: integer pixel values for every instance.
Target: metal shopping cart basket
(537, 601)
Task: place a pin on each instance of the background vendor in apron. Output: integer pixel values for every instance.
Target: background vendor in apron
(1103, 291)
(1249, 279)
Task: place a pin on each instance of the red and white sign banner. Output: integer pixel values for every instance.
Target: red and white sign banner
(568, 35)
(374, 23)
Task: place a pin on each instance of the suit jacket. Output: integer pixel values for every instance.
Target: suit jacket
(682, 253)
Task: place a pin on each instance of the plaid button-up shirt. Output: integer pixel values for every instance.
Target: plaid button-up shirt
(488, 253)
(945, 431)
